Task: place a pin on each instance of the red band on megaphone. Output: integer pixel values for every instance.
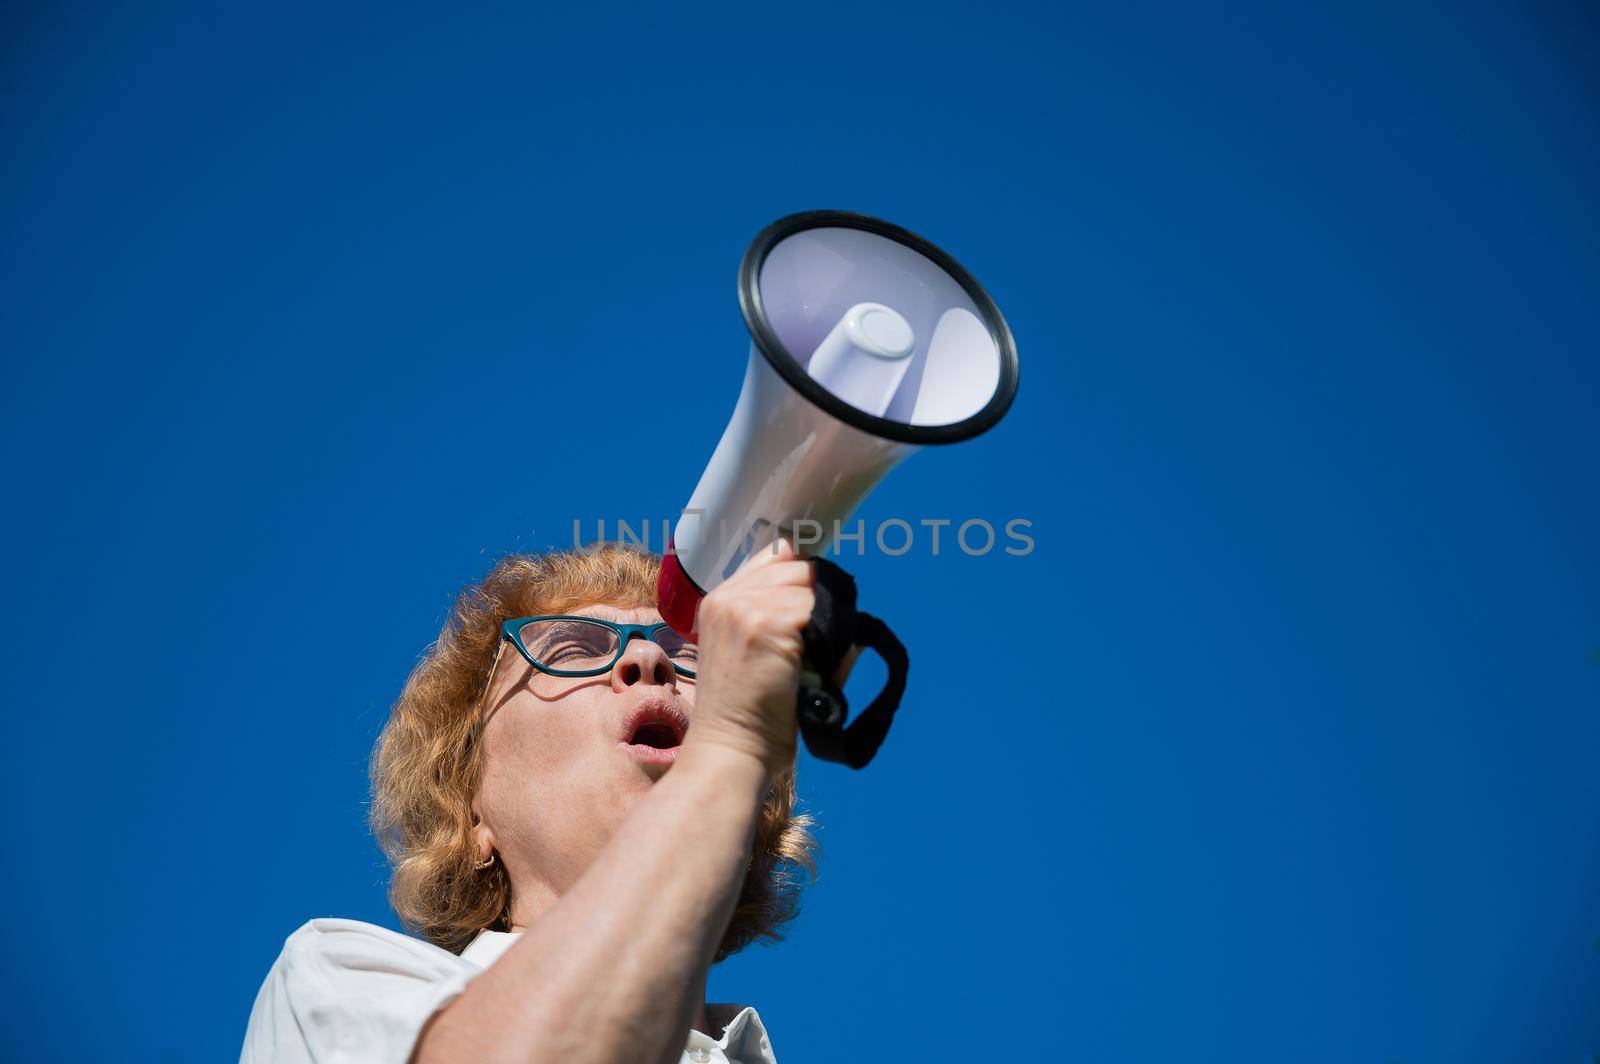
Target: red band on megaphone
(677, 596)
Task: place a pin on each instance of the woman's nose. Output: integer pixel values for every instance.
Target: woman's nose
(643, 661)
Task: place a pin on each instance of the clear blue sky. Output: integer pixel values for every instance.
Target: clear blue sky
(1280, 746)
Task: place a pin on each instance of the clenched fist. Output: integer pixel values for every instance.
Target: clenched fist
(750, 648)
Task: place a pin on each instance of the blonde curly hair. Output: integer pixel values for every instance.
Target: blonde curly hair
(427, 762)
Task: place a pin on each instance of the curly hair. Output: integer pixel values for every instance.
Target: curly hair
(427, 762)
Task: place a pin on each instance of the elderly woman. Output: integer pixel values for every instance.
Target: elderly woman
(585, 812)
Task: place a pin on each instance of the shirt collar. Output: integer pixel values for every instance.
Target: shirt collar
(743, 1041)
(489, 946)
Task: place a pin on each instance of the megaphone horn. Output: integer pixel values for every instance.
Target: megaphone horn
(868, 342)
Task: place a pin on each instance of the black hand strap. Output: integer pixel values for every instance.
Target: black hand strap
(835, 628)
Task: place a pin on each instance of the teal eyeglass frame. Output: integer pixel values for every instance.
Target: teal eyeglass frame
(511, 631)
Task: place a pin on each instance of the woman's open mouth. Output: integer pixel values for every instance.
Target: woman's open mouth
(654, 730)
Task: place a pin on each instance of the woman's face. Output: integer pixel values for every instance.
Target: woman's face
(566, 757)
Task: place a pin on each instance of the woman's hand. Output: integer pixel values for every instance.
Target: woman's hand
(749, 630)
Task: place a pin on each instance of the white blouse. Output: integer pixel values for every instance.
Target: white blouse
(348, 992)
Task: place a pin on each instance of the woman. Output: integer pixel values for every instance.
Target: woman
(571, 890)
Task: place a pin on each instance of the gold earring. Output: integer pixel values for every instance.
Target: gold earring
(485, 864)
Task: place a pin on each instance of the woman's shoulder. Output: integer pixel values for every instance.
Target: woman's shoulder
(339, 942)
(337, 956)
(339, 983)
(332, 933)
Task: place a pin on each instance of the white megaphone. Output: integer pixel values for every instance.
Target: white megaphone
(868, 342)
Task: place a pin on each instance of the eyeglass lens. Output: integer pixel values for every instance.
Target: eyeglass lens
(574, 645)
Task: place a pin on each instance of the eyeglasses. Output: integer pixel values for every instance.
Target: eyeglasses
(585, 646)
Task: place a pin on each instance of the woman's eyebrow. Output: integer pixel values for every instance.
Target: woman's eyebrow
(599, 613)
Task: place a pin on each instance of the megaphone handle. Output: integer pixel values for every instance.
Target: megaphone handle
(822, 706)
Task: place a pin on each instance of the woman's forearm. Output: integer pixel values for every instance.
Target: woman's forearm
(612, 971)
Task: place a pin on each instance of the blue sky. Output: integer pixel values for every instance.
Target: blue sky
(1279, 746)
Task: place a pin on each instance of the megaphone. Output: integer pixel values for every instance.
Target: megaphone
(867, 343)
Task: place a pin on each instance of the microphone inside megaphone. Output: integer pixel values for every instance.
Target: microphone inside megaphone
(867, 343)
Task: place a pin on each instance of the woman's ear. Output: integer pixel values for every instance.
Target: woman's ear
(483, 840)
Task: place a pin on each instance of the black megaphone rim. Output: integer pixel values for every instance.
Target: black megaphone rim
(790, 369)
